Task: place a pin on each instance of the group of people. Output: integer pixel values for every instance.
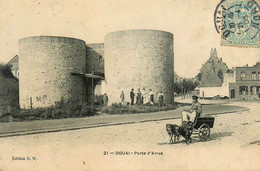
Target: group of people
(142, 97)
(188, 116)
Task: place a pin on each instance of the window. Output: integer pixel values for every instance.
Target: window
(253, 90)
(243, 90)
(253, 76)
(243, 76)
(258, 75)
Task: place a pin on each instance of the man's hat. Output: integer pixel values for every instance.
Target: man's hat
(195, 96)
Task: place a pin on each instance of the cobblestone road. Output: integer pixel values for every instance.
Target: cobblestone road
(234, 145)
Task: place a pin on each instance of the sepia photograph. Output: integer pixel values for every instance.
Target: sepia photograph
(129, 85)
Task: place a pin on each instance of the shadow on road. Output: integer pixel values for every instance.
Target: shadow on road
(214, 136)
(255, 142)
(218, 135)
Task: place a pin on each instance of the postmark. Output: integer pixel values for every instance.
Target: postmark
(238, 21)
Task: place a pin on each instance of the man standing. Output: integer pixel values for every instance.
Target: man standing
(132, 96)
(138, 97)
(160, 97)
(188, 116)
(151, 96)
(122, 97)
(105, 99)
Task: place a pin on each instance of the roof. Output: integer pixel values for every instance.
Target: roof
(211, 80)
(14, 59)
(257, 64)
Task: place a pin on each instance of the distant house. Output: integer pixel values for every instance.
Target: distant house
(211, 77)
(245, 82)
(238, 83)
(14, 66)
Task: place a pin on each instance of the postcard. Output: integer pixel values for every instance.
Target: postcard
(129, 85)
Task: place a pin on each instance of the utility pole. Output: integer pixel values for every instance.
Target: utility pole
(182, 92)
(31, 102)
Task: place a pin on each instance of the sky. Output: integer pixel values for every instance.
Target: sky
(190, 21)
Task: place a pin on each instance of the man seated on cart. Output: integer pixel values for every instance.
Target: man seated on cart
(189, 116)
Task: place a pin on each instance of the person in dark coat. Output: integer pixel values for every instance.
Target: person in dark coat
(138, 97)
(160, 98)
(105, 99)
(132, 96)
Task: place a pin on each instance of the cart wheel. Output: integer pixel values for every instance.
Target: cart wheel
(204, 132)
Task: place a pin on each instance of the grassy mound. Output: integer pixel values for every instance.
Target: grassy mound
(59, 111)
(116, 108)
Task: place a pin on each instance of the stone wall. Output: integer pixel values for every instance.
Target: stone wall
(95, 63)
(45, 64)
(210, 92)
(139, 59)
(95, 54)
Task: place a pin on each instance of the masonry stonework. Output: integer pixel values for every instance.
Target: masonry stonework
(139, 59)
(95, 60)
(45, 65)
(212, 72)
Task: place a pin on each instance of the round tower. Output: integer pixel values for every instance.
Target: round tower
(139, 59)
(46, 64)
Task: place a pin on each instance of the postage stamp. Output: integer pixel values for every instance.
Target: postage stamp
(238, 22)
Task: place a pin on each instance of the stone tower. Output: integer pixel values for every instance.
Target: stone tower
(139, 59)
(46, 64)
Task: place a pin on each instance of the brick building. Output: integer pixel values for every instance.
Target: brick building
(246, 82)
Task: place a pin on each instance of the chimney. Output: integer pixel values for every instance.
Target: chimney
(246, 65)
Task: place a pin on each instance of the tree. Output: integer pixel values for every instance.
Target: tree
(188, 84)
(5, 70)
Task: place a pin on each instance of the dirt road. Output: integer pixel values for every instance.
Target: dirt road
(234, 145)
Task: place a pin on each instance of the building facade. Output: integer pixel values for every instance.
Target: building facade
(211, 72)
(211, 77)
(246, 84)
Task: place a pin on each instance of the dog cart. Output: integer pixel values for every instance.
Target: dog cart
(202, 127)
